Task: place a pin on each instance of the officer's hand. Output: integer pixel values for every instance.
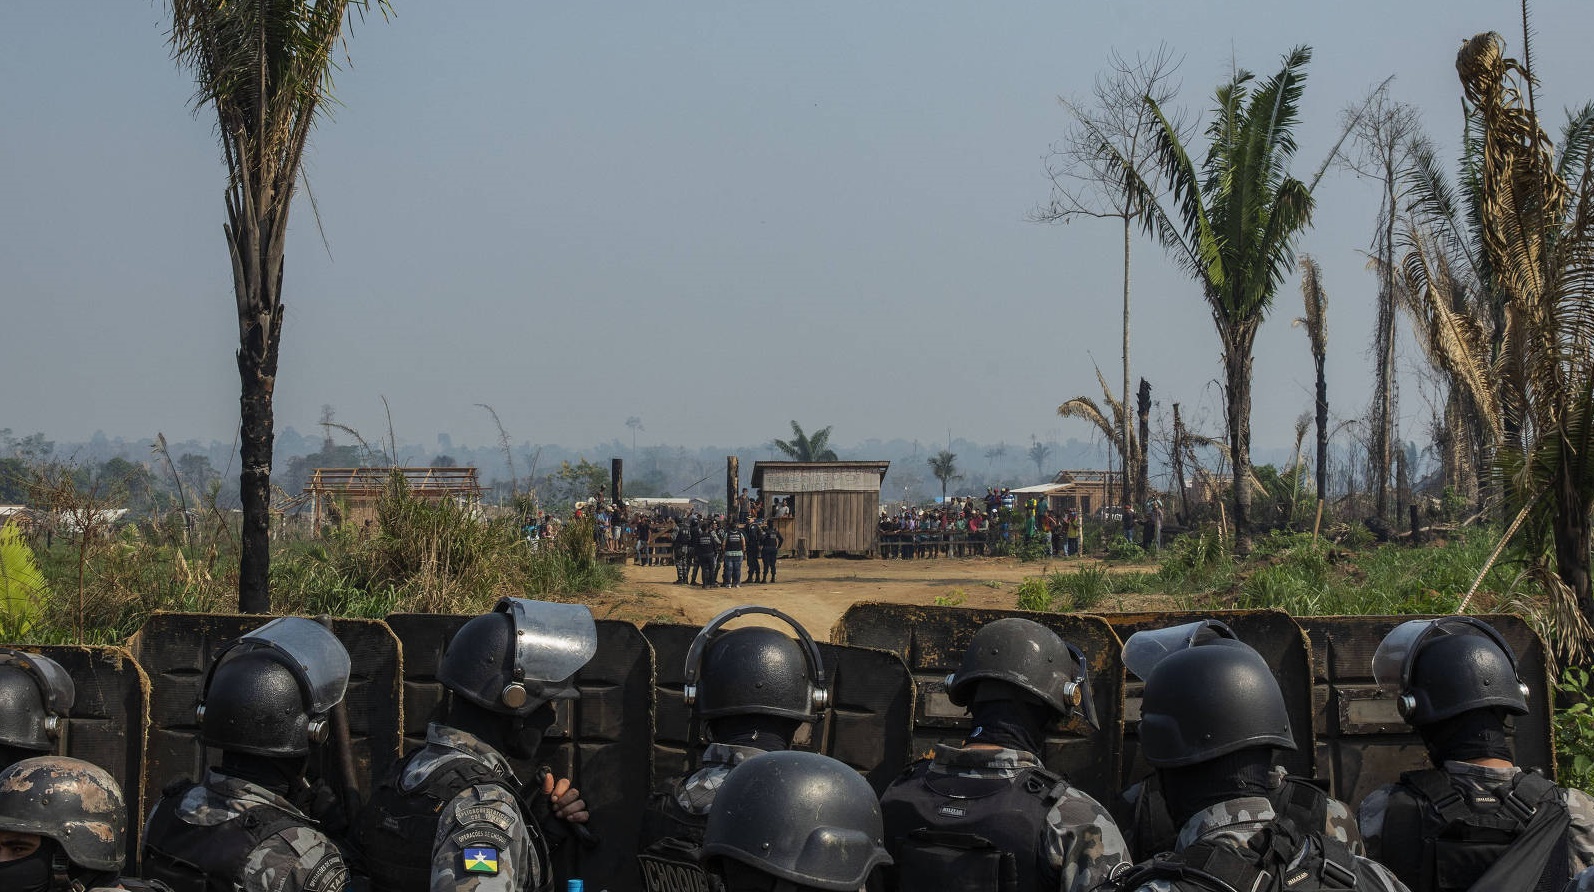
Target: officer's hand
(567, 802)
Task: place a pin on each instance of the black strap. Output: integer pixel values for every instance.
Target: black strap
(1434, 786)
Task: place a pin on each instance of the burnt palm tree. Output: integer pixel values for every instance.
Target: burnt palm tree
(1110, 423)
(265, 66)
(1316, 323)
(1233, 223)
(803, 447)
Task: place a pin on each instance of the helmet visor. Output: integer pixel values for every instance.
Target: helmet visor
(1086, 702)
(1144, 650)
(552, 641)
(55, 685)
(314, 654)
(1393, 660)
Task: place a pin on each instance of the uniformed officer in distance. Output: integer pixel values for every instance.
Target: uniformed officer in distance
(1474, 811)
(36, 697)
(453, 815)
(973, 815)
(63, 826)
(751, 690)
(1211, 720)
(794, 822)
(265, 703)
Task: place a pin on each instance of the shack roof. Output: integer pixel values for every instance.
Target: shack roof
(1041, 489)
(371, 482)
(819, 476)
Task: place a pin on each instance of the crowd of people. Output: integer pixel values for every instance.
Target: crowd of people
(1216, 813)
(966, 526)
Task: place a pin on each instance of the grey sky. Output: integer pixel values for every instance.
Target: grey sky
(577, 211)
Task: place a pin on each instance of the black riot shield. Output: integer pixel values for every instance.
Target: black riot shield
(869, 724)
(176, 650)
(1273, 634)
(106, 725)
(931, 640)
(602, 740)
(1362, 741)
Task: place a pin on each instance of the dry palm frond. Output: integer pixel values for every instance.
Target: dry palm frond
(1316, 301)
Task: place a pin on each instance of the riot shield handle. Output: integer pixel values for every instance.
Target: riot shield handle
(348, 776)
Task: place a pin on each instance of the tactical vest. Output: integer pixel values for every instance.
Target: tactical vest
(970, 834)
(397, 829)
(193, 858)
(771, 541)
(705, 542)
(1291, 853)
(734, 541)
(673, 840)
(1148, 826)
(1435, 841)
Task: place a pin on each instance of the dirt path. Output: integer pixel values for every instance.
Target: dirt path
(817, 592)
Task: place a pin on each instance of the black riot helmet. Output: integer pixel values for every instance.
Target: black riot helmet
(74, 803)
(521, 655)
(800, 817)
(1440, 668)
(271, 692)
(36, 697)
(1205, 702)
(755, 671)
(1031, 657)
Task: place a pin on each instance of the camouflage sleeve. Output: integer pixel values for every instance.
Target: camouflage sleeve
(1370, 821)
(299, 859)
(482, 845)
(1083, 844)
(1337, 824)
(1580, 835)
(1583, 882)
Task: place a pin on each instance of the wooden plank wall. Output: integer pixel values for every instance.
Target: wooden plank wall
(835, 521)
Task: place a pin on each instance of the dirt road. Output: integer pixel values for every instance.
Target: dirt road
(817, 592)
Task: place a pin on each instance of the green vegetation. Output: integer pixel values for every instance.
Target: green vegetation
(420, 556)
(1574, 731)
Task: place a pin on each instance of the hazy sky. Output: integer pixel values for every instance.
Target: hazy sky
(716, 216)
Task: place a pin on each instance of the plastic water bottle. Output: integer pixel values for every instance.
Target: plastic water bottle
(575, 886)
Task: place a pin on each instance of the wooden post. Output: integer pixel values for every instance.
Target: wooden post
(617, 479)
(733, 473)
(1318, 523)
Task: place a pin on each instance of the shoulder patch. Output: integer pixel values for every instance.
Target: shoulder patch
(481, 860)
(329, 875)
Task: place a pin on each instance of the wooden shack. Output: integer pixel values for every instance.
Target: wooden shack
(350, 495)
(1087, 491)
(835, 505)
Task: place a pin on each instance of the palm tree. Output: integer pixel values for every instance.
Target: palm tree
(1316, 323)
(266, 68)
(1233, 225)
(1038, 452)
(807, 448)
(1085, 408)
(1535, 218)
(944, 466)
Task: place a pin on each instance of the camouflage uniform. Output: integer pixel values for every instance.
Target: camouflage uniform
(482, 816)
(1474, 782)
(1337, 822)
(1234, 823)
(1082, 844)
(295, 857)
(1583, 882)
(695, 794)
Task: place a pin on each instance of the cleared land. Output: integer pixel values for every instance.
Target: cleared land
(816, 592)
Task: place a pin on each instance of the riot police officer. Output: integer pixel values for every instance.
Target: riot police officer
(1474, 811)
(1210, 722)
(681, 551)
(754, 540)
(972, 815)
(751, 690)
(266, 702)
(453, 815)
(706, 545)
(770, 544)
(63, 823)
(794, 821)
(36, 697)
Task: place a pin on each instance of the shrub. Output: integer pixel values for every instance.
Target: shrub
(1034, 594)
(1574, 731)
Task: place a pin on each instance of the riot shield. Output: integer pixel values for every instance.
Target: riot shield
(1273, 634)
(1362, 741)
(608, 754)
(176, 649)
(931, 640)
(108, 718)
(868, 725)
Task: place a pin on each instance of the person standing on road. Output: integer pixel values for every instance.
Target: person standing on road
(735, 550)
(707, 547)
(754, 539)
(770, 545)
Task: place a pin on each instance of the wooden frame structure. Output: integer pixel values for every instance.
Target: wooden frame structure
(835, 505)
(359, 489)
